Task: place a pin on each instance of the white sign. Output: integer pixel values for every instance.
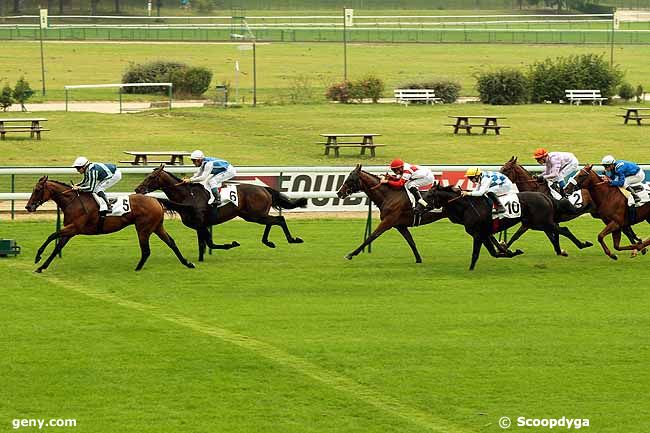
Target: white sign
(43, 18)
(617, 20)
(349, 17)
(244, 47)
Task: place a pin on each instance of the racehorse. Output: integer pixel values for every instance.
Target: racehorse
(190, 200)
(81, 217)
(475, 213)
(612, 208)
(566, 212)
(396, 210)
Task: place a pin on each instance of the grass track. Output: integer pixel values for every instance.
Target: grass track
(533, 336)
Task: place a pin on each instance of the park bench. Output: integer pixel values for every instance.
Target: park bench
(577, 96)
(34, 128)
(142, 157)
(406, 96)
(8, 247)
(366, 143)
(490, 123)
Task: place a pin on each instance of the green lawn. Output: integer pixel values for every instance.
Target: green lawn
(280, 67)
(322, 344)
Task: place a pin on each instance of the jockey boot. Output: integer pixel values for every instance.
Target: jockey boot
(418, 197)
(217, 197)
(102, 195)
(557, 186)
(499, 207)
(635, 196)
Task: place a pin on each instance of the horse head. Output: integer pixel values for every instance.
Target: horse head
(439, 196)
(352, 183)
(514, 171)
(155, 180)
(40, 195)
(585, 178)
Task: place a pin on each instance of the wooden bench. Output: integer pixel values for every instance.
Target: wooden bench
(490, 123)
(577, 96)
(406, 96)
(632, 113)
(142, 157)
(34, 128)
(366, 143)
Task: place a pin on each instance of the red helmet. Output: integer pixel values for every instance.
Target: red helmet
(397, 163)
(540, 153)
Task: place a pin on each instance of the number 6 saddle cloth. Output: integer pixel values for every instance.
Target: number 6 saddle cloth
(228, 193)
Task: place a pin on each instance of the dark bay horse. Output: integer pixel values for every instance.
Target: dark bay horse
(396, 210)
(525, 182)
(612, 208)
(81, 217)
(191, 202)
(475, 214)
(565, 210)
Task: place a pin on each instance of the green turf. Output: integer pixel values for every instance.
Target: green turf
(280, 67)
(310, 342)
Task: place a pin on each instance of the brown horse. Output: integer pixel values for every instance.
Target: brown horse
(525, 182)
(612, 208)
(191, 202)
(81, 217)
(396, 210)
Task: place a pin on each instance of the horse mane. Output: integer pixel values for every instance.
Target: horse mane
(59, 183)
(370, 174)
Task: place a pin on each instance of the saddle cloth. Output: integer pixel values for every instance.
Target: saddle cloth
(511, 204)
(575, 198)
(643, 194)
(229, 194)
(121, 204)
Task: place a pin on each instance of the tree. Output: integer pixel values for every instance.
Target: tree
(22, 92)
(6, 99)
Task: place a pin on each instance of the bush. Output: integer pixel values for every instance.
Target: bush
(550, 78)
(369, 87)
(22, 92)
(502, 87)
(626, 91)
(152, 72)
(6, 97)
(446, 90)
(191, 81)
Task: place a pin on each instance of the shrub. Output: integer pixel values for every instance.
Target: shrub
(502, 87)
(369, 87)
(550, 78)
(301, 90)
(22, 92)
(626, 91)
(6, 97)
(446, 90)
(191, 81)
(339, 92)
(187, 80)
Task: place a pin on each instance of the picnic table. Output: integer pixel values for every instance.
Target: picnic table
(363, 141)
(34, 128)
(632, 113)
(142, 157)
(489, 123)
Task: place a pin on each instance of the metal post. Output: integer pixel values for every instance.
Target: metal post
(345, 49)
(611, 53)
(120, 93)
(58, 227)
(13, 202)
(368, 230)
(66, 100)
(254, 77)
(42, 62)
(170, 97)
(279, 185)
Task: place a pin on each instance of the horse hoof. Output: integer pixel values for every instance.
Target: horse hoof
(644, 251)
(613, 257)
(348, 256)
(269, 244)
(190, 265)
(234, 244)
(563, 253)
(518, 252)
(587, 244)
(37, 259)
(38, 271)
(418, 261)
(297, 241)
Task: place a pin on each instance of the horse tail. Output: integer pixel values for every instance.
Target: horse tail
(281, 201)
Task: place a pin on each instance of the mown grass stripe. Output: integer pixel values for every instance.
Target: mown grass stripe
(275, 354)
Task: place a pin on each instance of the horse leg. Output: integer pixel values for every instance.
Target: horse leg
(166, 238)
(62, 242)
(564, 231)
(265, 236)
(616, 237)
(610, 227)
(553, 235)
(207, 238)
(199, 237)
(519, 233)
(407, 235)
(67, 230)
(381, 228)
(282, 222)
(145, 250)
(476, 250)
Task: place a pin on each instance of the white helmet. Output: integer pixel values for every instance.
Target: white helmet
(608, 159)
(197, 154)
(81, 161)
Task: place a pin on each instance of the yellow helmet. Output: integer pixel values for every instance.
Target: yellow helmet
(473, 171)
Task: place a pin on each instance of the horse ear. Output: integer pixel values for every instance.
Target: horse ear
(515, 158)
(588, 167)
(358, 167)
(512, 158)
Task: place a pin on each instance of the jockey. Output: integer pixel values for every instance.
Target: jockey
(624, 174)
(559, 166)
(490, 183)
(98, 177)
(411, 177)
(212, 173)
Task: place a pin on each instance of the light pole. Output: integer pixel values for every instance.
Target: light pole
(43, 25)
(345, 46)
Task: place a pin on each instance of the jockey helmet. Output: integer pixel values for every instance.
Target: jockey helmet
(540, 153)
(81, 161)
(608, 160)
(197, 154)
(473, 172)
(396, 163)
